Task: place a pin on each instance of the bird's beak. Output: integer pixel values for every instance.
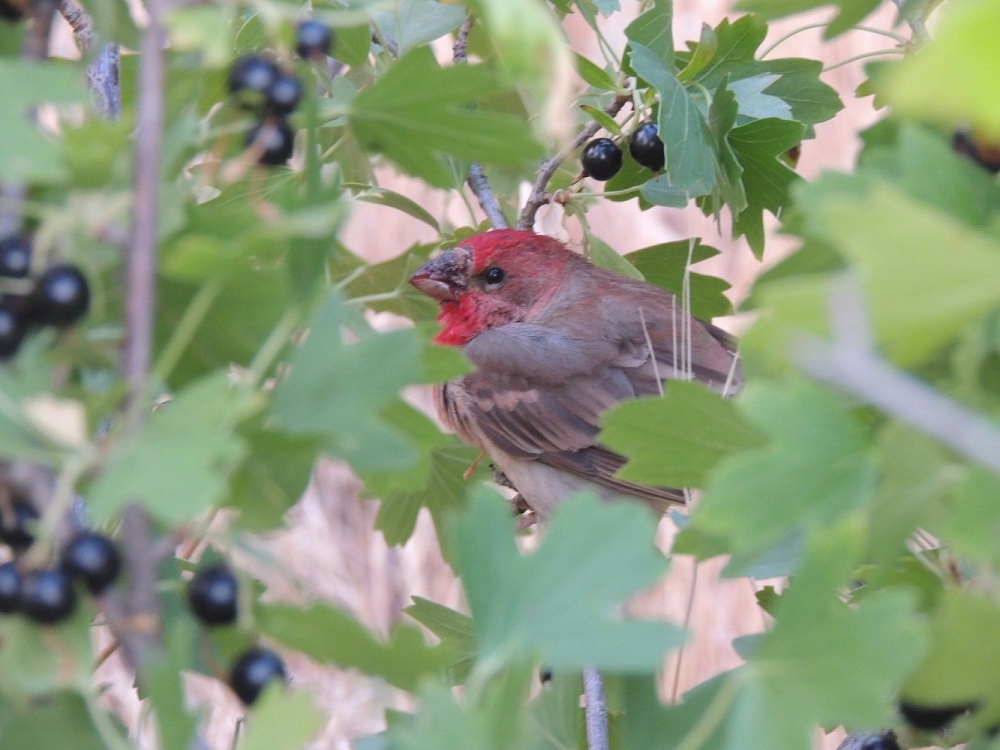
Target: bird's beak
(445, 276)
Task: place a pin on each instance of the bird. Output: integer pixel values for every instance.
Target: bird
(555, 342)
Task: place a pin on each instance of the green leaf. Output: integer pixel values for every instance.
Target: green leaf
(754, 103)
(442, 493)
(687, 141)
(602, 119)
(824, 663)
(453, 628)
(595, 76)
(494, 722)
(561, 603)
(413, 23)
(963, 654)
(179, 465)
(26, 153)
(798, 83)
(815, 471)
(327, 635)
(49, 723)
(417, 113)
(352, 44)
(920, 296)
(915, 473)
(973, 523)
(674, 441)
(648, 725)
(338, 389)
(203, 29)
(605, 256)
(272, 478)
(950, 81)
(384, 197)
(249, 305)
(653, 30)
(282, 721)
(702, 55)
(665, 266)
(766, 178)
(38, 661)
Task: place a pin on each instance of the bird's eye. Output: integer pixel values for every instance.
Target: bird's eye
(493, 276)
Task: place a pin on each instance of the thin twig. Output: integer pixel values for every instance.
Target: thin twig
(134, 617)
(79, 21)
(476, 178)
(484, 194)
(36, 41)
(140, 266)
(538, 198)
(595, 710)
(850, 364)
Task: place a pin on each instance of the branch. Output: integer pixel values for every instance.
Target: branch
(134, 617)
(36, 41)
(103, 74)
(140, 265)
(538, 197)
(850, 364)
(79, 21)
(476, 178)
(595, 709)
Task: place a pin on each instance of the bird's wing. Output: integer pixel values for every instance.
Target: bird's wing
(538, 394)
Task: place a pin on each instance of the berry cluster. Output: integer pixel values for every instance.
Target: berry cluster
(213, 595)
(258, 84)
(60, 295)
(47, 596)
(602, 158)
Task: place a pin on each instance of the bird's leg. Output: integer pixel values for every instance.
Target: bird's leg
(522, 511)
(472, 467)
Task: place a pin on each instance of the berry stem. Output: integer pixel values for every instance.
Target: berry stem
(822, 25)
(863, 56)
(537, 198)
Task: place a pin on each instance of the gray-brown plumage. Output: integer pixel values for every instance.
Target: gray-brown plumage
(557, 341)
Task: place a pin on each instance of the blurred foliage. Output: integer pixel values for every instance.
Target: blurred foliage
(266, 355)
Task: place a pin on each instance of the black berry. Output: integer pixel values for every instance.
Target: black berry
(252, 672)
(10, 588)
(12, 330)
(250, 77)
(646, 147)
(94, 558)
(276, 139)
(313, 39)
(61, 296)
(545, 675)
(885, 741)
(47, 596)
(213, 594)
(15, 520)
(9, 11)
(15, 257)
(601, 159)
(929, 718)
(284, 94)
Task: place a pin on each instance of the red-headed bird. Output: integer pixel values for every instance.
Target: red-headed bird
(556, 341)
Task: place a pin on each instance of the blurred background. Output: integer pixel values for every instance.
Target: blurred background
(330, 551)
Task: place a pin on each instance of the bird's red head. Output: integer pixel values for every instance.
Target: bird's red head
(492, 279)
